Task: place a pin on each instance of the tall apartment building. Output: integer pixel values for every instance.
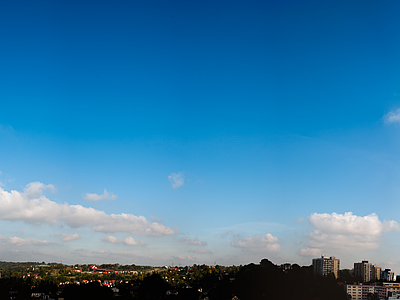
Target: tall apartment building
(335, 266)
(364, 270)
(324, 266)
(376, 273)
(388, 275)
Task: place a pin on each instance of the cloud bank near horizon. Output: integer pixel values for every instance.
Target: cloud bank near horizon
(33, 207)
(345, 232)
(17, 241)
(194, 242)
(66, 237)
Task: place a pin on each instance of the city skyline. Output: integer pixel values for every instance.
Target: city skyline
(154, 132)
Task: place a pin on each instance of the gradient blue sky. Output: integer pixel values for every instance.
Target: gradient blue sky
(160, 132)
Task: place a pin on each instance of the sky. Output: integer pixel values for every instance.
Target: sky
(200, 132)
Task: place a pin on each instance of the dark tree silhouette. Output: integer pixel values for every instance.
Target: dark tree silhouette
(153, 287)
(92, 290)
(268, 281)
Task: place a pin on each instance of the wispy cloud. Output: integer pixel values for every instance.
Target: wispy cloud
(265, 243)
(201, 250)
(29, 254)
(346, 232)
(251, 228)
(6, 129)
(96, 197)
(310, 252)
(194, 241)
(156, 219)
(8, 179)
(230, 233)
(185, 258)
(66, 237)
(392, 117)
(17, 241)
(130, 241)
(176, 179)
(226, 233)
(17, 206)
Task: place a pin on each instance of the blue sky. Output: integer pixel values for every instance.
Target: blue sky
(160, 132)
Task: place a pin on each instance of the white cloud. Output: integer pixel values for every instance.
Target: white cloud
(201, 250)
(177, 179)
(346, 232)
(111, 239)
(130, 241)
(66, 237)
(17, 206)
(265, 243)
(17, 241)
(95, 197)
(35, 189)
(392, 117)
(346, 223)
(194, 241)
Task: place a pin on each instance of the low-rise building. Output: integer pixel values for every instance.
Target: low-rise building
(392, 287)
(394, 296)
(361, 291)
